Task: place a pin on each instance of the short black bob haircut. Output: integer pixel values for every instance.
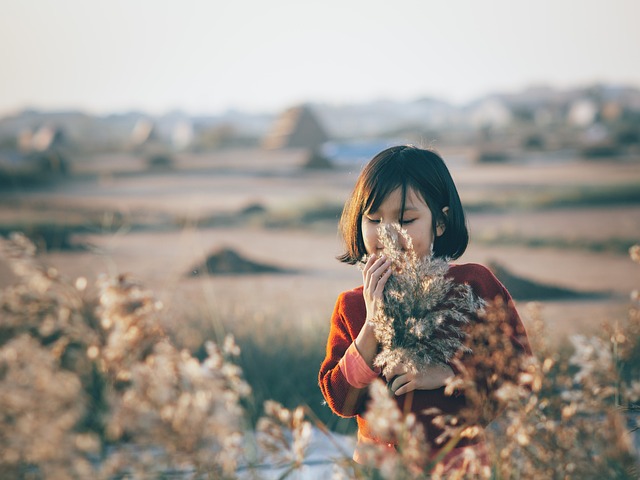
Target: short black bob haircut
(405, 167)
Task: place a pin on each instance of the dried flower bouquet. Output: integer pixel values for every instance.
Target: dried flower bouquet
(424, 313)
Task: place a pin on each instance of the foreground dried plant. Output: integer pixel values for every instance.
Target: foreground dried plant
(91, 387)
(581, 418)
(46, 378)
(284, 435)
(559, 416)
(389, 423)
(424, 313)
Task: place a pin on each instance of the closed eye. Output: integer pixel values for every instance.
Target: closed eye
(373, 220)
(407, 222)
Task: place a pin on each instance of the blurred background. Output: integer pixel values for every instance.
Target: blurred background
(207, 148)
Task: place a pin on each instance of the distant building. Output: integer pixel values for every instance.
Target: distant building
(182, 135)
(611, 111)
(144, 132)
(37, 153)
(582, 113)
(43, 139)
(297, 127)
(491, 112)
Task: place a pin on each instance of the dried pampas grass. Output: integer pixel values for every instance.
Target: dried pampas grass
(424, 312)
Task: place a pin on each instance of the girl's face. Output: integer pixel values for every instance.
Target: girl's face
(417, 222)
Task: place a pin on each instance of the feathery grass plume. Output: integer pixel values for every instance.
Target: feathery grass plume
(128, 314)
(423, 312)
(91, 387)
(570, 427)
(45, 305)
(173, 410)
(496, 374)
(389, 424)
(41, 405)
(188, 411)
(413, 457)
(284, 435)
(560, 414)
(49, 408)
(626, 341)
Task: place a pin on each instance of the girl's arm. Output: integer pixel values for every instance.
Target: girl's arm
(348, 367)
(375, 274)
(343, 398)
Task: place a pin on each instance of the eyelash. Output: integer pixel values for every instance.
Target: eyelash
(405, 222)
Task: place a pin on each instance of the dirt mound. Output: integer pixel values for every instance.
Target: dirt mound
(226, 261)
(522, 289)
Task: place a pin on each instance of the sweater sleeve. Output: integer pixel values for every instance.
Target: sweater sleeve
(355, 368)
(344, 399)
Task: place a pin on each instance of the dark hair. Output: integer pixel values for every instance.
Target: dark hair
(405, 167)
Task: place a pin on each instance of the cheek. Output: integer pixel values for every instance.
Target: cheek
(422, 238)
(369, 238)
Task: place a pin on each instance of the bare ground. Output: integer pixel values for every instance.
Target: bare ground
(230, 181)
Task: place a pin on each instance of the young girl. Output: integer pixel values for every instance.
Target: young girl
(412, 187)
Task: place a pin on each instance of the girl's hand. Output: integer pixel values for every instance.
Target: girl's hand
(402, 381)
(375, 274)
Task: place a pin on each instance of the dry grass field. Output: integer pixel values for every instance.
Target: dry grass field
(157, 225)
(561, 229)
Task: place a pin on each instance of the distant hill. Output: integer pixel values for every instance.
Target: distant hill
(525, 289)
(349, 121)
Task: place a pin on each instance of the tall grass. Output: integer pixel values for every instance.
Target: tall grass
(613, 244)
(92, 385)
(583, 196)
(279, 356)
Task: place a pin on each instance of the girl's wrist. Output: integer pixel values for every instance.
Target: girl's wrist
(367, 343)
(368, 332)
(367, 335)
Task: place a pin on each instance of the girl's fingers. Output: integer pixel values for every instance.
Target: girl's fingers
(367, 269)
(376, 268)
(375, 275)
(398, 383)
(373, 263)
(396, 371)
(406, 388)
(367, 266)
(383, 281)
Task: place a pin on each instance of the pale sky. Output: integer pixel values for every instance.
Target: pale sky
(263, 55)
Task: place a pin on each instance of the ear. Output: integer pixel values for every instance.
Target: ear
(441, 225)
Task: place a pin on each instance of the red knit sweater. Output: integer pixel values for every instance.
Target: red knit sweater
(347, 321)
